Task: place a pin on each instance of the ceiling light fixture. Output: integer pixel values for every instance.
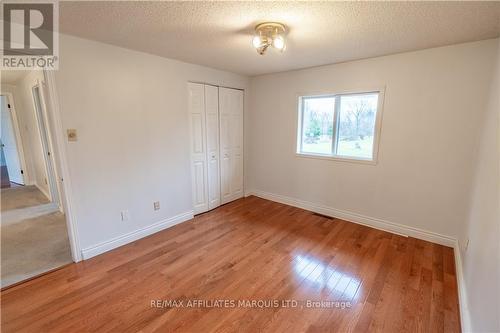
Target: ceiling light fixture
(267, 34)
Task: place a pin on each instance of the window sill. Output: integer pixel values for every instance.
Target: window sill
(337, 158)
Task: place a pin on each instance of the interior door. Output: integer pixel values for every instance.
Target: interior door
(39, 104)
(212, 126)
(231, 146)
(9, 144)
(196, 105)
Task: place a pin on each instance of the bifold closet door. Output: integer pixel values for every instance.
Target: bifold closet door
(212, 128)
(231, 143)
(199, 169)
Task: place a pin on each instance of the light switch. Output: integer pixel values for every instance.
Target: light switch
(71, 134)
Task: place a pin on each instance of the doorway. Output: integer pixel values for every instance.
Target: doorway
(34, 233)
(12, 170)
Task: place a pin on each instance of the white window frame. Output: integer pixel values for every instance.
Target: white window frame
(333, 156)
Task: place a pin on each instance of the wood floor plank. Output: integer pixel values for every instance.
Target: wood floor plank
(250, 250)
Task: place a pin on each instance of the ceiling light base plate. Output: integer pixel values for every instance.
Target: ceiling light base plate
(271, 26)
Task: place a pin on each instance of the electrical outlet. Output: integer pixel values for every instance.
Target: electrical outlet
(156, 205)
(125, 215)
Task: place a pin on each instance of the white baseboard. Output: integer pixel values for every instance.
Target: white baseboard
(134, 235)
(462, 291)
(376, 223)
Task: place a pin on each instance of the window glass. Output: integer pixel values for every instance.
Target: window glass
(356, 125)
(317, 124)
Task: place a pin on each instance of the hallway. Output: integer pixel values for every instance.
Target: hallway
(34, 235)
(22, 197)
(33, 246)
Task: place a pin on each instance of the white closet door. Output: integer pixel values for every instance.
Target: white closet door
(198, 145)
(212, 121)
(231, 143)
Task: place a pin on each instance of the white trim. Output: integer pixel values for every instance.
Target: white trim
(44, 132)
(373, 222)
(61, 164)
(134, 235)
(338, 158)
(462, 290)
(344, 91)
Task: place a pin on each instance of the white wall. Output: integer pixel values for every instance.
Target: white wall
(434, 105)
(481, 260)
(28, 126)
(130, 111)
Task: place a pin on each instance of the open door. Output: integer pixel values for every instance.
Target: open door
(44, 136)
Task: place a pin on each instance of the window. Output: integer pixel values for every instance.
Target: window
(339, 126)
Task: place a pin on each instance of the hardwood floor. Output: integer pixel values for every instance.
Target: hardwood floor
(250, 249)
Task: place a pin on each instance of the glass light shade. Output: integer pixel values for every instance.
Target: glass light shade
(257, 41)
(279, 42)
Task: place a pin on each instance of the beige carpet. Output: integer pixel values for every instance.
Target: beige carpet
(33, 246)
(22, 197)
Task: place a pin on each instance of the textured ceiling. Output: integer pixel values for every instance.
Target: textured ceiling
(218, 34)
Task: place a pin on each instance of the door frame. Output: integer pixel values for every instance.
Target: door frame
(57, 142)
(17, 134)
(44, 132)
